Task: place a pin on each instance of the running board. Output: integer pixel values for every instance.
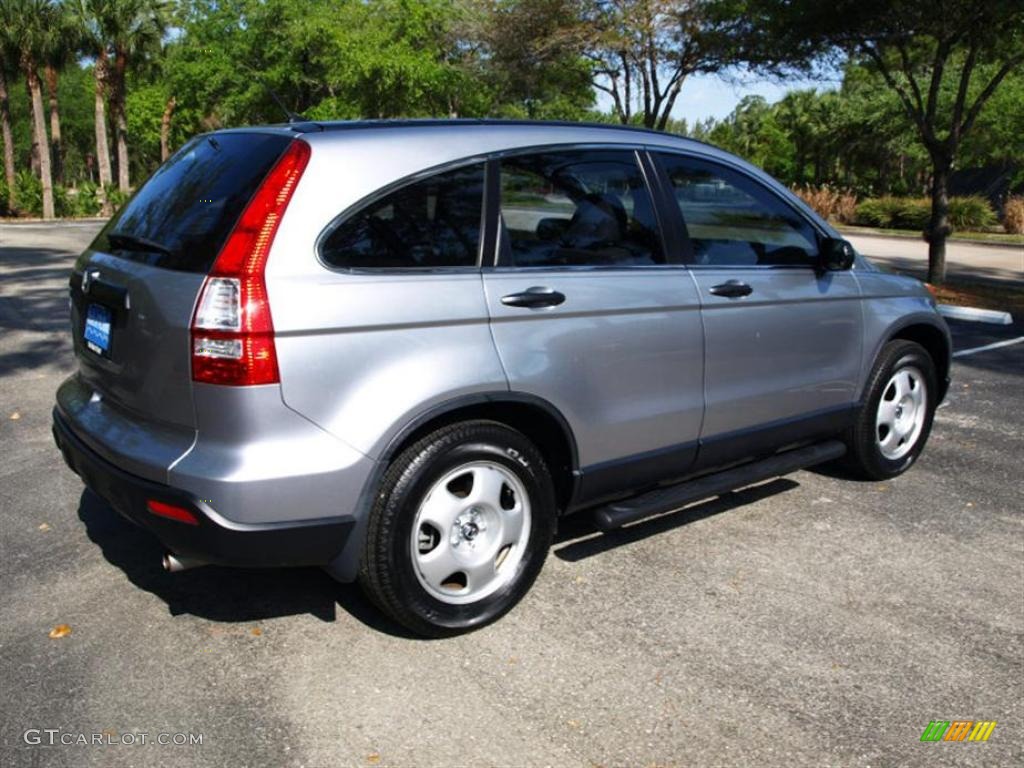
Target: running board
(674, 497)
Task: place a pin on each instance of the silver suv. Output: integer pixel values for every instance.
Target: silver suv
(402, 350)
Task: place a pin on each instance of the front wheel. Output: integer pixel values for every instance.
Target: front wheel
(896, 419)
(460, 528)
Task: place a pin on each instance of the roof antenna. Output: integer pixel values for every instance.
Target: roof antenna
(293, 117)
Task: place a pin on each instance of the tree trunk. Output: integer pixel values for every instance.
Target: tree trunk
(938, 227)
(8, 139)
(55, 144)
(33, 152)
(102, 146)
(120, 120)
(39, 131)
(165, 130)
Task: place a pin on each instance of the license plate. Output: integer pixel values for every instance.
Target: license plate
(97, 329)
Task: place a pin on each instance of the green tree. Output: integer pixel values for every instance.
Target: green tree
(124, 34)
(753, 132)
(30, 21)
(639, 52)
(8, 69)
(531, 72)
(89, 14)
(62, 41)
(915, 46)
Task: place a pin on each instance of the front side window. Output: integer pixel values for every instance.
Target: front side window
(430, 223)
(578, 208)
(734, 221)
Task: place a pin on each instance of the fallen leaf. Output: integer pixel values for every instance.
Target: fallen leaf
(256, 631)
(44, 526)
(15, 416)
(373, 758)
(61, 630)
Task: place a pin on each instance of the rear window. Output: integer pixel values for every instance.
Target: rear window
(182, 215)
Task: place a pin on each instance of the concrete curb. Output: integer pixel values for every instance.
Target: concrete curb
(975, 315)
(899, 235)
(19, 222)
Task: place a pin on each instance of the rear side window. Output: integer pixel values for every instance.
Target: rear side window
(181, 216)
(430, 223)
(578, 208)
(734, 221)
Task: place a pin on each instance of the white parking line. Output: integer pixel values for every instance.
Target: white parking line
(987, 347)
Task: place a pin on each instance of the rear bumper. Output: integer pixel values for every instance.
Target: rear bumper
(215, 539)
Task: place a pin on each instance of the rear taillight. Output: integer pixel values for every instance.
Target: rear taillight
(232, 331)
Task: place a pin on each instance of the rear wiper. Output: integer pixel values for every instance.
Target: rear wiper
(136, 243)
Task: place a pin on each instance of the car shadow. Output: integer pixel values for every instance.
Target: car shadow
(245, 595)
(585, 540)
(215, 593)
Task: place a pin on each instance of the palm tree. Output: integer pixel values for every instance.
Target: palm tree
(63, 39)
(8, 68)
(122, 33)
(29, 22)
(88, 14)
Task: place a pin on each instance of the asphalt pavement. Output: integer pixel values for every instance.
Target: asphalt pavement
(811, 620)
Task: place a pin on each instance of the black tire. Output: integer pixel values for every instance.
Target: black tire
(387, 572)
(864, 455)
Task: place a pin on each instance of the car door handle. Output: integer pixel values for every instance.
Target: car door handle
(538, 296)
(732, 289)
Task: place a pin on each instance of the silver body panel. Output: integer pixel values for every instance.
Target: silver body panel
(637, 360)
(792, 347)
(621, 359)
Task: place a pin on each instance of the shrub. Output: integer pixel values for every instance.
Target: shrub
(88, 202)
(77, 201)
(5, 209)
(915, 213)
(1013, 215)
(63, 201)
(911, 212)
(831, 204)
(29, 191)
(874, 212)
(972, 212)
(117, 198)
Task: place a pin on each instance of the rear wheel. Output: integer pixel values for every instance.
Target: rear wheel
(893, 426)
(460, 528)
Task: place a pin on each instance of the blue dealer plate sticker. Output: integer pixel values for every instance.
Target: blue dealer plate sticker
(97, 329)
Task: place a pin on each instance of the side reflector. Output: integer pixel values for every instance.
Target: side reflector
(171, 512)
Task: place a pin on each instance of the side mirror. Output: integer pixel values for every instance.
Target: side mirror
(836, 255)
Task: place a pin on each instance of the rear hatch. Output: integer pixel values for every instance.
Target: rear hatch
(134, 290)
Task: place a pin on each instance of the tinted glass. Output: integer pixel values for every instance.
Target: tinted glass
(586, 207)
(734, 221)
(434, 222)
(186, 209)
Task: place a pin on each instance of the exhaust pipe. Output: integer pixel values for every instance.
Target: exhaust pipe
(175, 564)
